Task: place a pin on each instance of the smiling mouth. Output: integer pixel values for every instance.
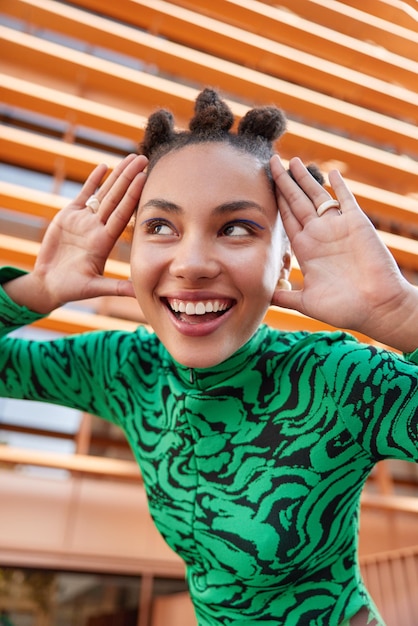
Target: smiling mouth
(195, 312)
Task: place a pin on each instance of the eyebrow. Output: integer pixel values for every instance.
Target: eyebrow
(225, 207)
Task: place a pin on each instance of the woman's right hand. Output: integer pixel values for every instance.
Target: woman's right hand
(78, 241)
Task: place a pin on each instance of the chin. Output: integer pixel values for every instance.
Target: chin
(200, 354)
(199, 362)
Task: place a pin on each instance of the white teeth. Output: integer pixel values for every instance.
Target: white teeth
(200, 308)
(197, 308)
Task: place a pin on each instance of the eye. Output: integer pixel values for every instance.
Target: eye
(242, 228)
(158, 227)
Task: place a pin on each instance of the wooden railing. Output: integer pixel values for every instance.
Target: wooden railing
(392, 580)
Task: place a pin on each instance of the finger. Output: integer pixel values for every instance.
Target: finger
(311, 188)
(114, 175)
(120, 185)
(346, 198)
(283, 191)
(90, 185)
(288, 300)
(300, 191)
(106, 286)
(120, 216)
(291, 224)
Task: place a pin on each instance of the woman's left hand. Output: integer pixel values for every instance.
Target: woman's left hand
(350, 279)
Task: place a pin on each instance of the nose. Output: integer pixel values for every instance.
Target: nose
(194, 260)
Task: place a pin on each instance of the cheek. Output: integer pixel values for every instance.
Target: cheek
(258, 279)
(141, 267)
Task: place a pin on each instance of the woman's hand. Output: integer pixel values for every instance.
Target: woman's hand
(350, 278)
(79, 240)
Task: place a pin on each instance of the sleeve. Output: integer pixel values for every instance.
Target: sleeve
(376, 394)
(13, 316)
(77, 371)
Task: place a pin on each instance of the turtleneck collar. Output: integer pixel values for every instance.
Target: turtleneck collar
(205, 378)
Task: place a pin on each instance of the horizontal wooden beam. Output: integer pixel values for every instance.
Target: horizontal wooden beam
(71, 321)
(402, 12)
(407, 552)
(388, 31)
(30, 201)
(274, 24)
(390, 503)
(93, 78)
(85, 464)
(231, 44)
(24, 253)
(315, 108)
(330, 30)
(205, 33)
(73, 110)
(50, 155)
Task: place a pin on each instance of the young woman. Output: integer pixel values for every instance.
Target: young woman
(254, 444)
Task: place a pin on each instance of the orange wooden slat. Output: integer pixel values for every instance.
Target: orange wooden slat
(361, 123)
(396, 11)
(78, 73)
(70, 321)
(30, 201)
(400, 12)
(178, 60)
(239, 46)
(75, 110)
(46, 155)
(23, 253)
(355, 21)
(358, 161)
(92, 465)
(390, 503)
(339, 33)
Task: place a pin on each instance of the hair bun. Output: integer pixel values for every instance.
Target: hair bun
(266, 122)
(159, 130)
(212, 115)
(314, 171)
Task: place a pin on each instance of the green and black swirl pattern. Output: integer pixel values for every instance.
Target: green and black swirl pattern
(254, 470)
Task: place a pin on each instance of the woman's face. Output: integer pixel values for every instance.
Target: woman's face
(207, 252)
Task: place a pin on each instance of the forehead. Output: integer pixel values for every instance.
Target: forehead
(217, 165)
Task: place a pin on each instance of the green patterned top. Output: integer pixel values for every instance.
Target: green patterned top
(253, 468)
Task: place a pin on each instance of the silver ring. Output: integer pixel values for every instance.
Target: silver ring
(93, 203)
(325, 206)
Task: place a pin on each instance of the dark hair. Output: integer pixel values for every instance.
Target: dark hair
(212, 122)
